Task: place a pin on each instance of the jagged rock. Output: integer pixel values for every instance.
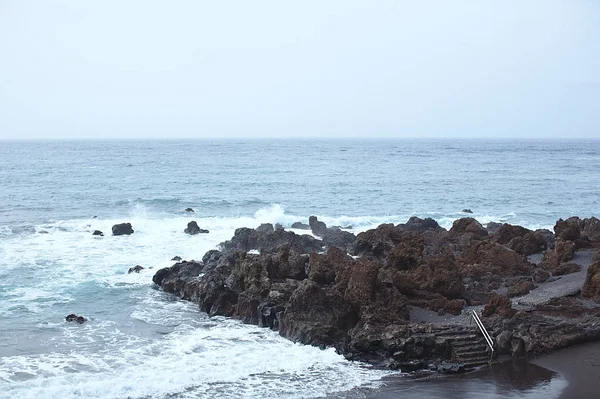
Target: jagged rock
(335, 237)
(591, 286)
(75, 318)
(135, 269)
(193, 228)
(122, 229)
(498, 305)
(503, 342)
(317, 315)
(520, 289)
(493, 227)
(540, 275)
(176, 258)
(189, 210)
(175, 278)
(265, 228)
(565, 268)
(468, 226)
(418, 225)
(98, 233)
(300, 225)
(520, 239)
(584, 232)
(467, 211)
(317, 227)
(562, 253)
(246, 239)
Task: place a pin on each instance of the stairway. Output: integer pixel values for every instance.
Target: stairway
(468, 347)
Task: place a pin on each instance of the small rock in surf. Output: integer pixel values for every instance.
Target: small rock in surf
(135, 269)
(122, 229)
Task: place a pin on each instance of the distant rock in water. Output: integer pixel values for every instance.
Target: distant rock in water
(300, 225)
(135, 269)
(193, 228)
(75, 318)
(98, 233)
(467, 210)
(176, 258)
(318, 228)
(189, 210)
(122, 229)
(94, 217)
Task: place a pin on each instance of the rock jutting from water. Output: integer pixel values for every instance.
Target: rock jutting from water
(401, 296)
(122, 229)
(193, 228)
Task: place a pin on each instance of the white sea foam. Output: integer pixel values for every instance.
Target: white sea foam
(140, 342)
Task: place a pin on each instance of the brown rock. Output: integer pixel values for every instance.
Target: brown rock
(591, 286)
(498, 305)
(520, 289)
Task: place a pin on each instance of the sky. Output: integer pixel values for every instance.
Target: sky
(144, 69)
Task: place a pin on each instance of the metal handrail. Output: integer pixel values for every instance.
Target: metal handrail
(483, 330)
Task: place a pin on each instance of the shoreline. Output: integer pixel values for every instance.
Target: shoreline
(568, 373)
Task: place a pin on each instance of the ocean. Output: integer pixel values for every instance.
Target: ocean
(142, 343)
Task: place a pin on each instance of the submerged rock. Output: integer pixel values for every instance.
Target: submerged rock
(98, 233)
(75, 318)
(135, 269)
(122, 229)
(193, 228)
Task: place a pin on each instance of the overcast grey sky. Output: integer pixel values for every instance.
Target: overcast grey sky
(182, 69)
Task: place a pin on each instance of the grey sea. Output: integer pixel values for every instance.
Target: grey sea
(141, 343)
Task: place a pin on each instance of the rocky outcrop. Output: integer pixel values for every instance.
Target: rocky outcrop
(135, 269)
(300, 225)
(193, 228)
(122, 229)
(591, 287)
(270, 240)
(316, 226)
(498, 305)
(313, 292)
(75, 318)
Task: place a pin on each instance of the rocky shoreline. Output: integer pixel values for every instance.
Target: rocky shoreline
(401, 296)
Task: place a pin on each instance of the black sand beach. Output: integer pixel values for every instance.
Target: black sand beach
(571, 373)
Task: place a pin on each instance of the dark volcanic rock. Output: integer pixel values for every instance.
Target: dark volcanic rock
(520, 239)
(176, 258)
(122, 229)
(498, 305)
(98, 233)
(493, 227)
(317, 227)
(468, 226)
(75, 318)
(193, 228)
(174, 279)
(300, 225)
(418, 225)
(467, 211)
(246, 239)
(591, 287)
(189, 210)
(520, 289)
(135, 269)
(335, 237)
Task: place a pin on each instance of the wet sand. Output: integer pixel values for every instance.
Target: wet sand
(570, 373)
(580, 366)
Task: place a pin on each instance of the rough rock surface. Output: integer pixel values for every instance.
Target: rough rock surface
(193, 228)
(591, 286)
(122, 229)
(135, 269)
(98, 233)
(313, 292)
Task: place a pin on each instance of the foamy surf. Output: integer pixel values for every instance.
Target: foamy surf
(142, 343)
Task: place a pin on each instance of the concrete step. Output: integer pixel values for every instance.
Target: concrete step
(470, 348)
(471, 354)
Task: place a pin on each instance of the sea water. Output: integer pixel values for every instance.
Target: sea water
(142, 343)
